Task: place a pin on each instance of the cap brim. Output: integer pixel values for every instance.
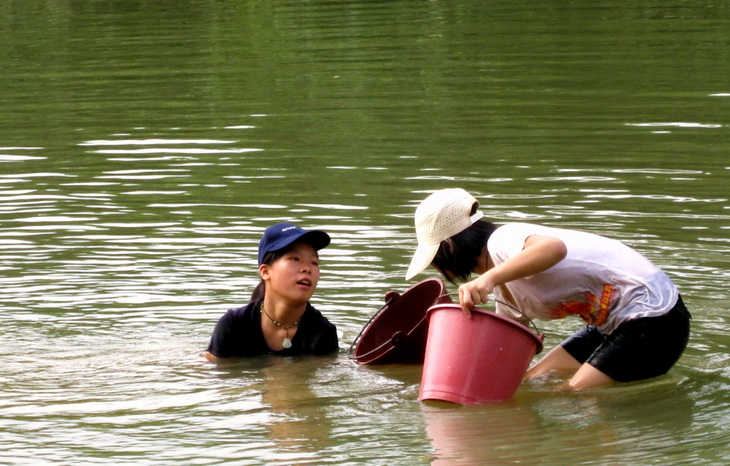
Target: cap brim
(317, 238)
(422, 258)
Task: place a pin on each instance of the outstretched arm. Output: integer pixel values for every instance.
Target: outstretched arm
(539, 254)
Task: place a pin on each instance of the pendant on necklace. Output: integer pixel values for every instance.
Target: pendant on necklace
(286, 344)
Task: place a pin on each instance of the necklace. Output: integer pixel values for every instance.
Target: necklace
(287, 342)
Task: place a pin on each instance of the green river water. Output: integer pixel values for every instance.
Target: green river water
(145, 145)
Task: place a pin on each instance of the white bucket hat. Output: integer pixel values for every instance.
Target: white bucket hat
(440, 216)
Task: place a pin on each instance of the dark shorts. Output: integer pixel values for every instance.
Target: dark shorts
(637, 349)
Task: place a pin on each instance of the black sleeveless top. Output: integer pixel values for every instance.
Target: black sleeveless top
(238, 334)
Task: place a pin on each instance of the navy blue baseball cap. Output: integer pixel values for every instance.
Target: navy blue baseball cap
(282, 235)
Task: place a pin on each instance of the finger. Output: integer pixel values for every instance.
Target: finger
(465, 300)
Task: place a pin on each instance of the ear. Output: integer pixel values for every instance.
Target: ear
(264, 271)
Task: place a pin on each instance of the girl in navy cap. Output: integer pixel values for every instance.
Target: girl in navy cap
(279, 319)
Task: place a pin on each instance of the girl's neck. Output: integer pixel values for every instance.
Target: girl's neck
(484, 262)
(280, 323)
(490, 264)
(283, 313)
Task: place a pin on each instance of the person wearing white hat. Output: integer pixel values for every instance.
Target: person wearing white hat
(637, 325)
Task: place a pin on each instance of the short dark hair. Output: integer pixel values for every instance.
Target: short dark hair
(269, 258)
(458, 254)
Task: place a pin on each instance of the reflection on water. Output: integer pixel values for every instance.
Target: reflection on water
(143, 149)
(517, 431)
(298, 425)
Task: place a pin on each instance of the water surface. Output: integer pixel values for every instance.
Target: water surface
(144, 147)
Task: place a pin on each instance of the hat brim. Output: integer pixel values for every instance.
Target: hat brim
(318, 239)
(422, 258)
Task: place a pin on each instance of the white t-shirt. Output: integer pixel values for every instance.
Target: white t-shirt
(601, 280)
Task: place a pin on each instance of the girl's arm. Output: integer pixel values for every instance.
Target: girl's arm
(539, 254)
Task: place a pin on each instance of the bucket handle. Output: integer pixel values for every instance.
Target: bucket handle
(364, 327)
(394, 340)
(537, 330)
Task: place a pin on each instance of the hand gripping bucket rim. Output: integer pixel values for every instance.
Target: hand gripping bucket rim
(397, 332)
(475, 360)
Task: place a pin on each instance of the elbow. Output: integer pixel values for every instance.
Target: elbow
(561, 250)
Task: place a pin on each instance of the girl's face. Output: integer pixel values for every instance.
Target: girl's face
(294, 276)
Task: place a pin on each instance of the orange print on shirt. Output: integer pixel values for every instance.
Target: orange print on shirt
(593, 310)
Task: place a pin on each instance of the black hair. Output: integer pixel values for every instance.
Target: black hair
(458, 255)
(269, 258)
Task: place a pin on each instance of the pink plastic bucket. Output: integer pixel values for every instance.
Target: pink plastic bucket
(474, 360)
(397, 333)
